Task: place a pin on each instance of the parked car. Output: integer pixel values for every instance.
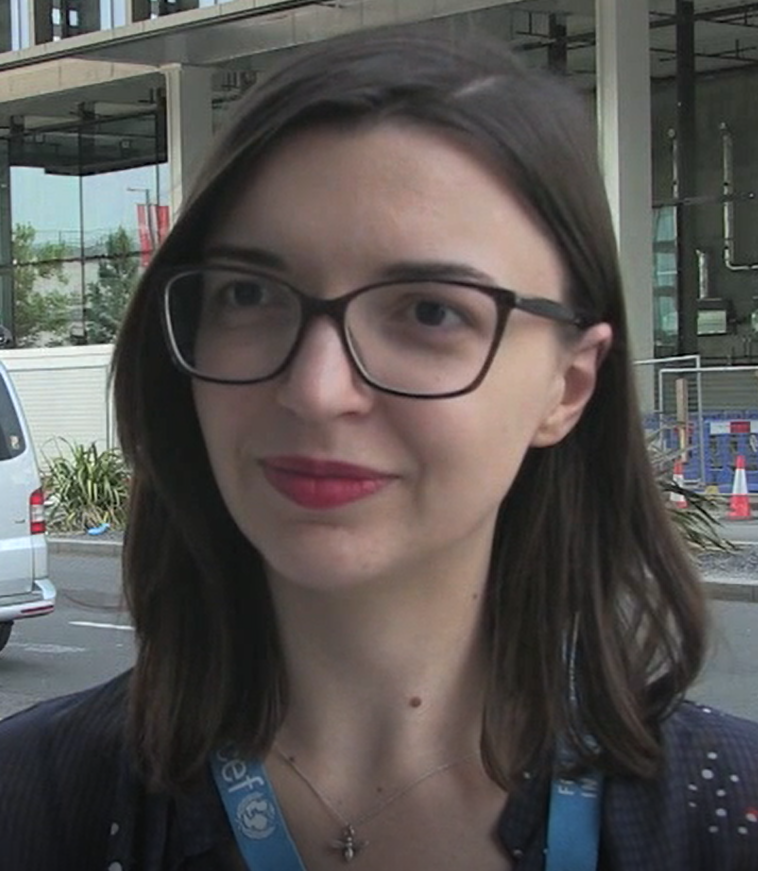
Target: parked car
(25, 588)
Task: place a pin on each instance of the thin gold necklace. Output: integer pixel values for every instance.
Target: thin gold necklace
(348, 843)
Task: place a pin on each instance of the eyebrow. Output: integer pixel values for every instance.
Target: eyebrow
(440, 270)
(402, 270)
(253, 256)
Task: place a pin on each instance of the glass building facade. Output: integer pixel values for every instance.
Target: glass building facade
(85, 176)
(26, 22)
(84, 206)
(86, 172)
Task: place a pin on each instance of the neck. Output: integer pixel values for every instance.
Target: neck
(386, 679)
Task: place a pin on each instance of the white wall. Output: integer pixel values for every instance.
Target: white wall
(65, 395)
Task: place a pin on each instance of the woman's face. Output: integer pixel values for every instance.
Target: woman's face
(330, 211)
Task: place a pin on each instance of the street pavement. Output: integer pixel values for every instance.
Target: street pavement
(730, 677)
(731, 579)
(88, 637)
(85, 641)
(741, 532)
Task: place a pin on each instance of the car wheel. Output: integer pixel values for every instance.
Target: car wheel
(5, 633)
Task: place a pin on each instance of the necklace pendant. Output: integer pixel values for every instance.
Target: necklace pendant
(348, 844)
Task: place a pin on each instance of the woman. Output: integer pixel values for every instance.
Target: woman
(396, 559)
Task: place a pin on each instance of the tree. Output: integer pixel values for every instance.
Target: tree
(108, 297)
(40, 317)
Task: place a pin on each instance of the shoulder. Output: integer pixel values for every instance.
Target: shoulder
(59, 763)
(717, 755)
(91, 720)
(701, 812)
(691, 723)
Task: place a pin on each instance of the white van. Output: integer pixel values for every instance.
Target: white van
(25, 589)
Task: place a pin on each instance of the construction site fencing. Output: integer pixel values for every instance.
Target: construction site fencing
(707, 417)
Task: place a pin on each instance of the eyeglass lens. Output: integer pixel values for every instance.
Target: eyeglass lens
(421, 338)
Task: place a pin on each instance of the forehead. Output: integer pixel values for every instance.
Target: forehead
(354, 198)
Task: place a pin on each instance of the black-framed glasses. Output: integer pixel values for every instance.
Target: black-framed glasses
(424, 338)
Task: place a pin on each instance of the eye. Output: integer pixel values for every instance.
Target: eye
(237, 296)
(238, 301)
(246, 293)
(427, 311)
(433, 313)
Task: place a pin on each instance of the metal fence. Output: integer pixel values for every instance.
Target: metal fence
(707, 416)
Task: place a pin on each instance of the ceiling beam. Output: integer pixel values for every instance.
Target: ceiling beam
(714, 16)
(587, 39)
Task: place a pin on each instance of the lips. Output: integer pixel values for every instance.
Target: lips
(322, 484)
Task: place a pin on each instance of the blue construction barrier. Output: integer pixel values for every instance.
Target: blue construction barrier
(727, 435)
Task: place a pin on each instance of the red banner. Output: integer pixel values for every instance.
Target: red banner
(152, 228)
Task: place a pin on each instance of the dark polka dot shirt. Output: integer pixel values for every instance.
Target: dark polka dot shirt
(69, 799)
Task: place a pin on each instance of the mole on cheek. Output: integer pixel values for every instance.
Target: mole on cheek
(415, 702)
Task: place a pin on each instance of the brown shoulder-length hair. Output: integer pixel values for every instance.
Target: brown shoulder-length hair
(595, 617)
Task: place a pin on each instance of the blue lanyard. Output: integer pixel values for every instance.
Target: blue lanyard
(261, 833)
(573, 825)
(254, 812)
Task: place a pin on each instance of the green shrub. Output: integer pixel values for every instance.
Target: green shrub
(86, 487)
(698, 522)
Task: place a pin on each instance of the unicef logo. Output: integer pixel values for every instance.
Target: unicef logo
(256, 816)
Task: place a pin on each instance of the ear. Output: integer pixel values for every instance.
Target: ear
(576, 384)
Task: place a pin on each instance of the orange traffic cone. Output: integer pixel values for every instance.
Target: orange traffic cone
(678, 499)
(739, 504)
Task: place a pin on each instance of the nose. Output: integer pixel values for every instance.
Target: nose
(321, 381)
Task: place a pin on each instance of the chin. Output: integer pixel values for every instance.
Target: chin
(332, 570)
(327, 578)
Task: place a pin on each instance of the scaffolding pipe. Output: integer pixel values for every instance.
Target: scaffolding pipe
(674, 163)
(727, 146)
(703, 276)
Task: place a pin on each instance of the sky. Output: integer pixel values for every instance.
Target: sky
(53, 204)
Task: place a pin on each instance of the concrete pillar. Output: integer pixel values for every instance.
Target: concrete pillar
(40, 21)
(557, 52)
(6, 35)
(687, 162)
(141, 9)
(137, 10)
(624, 122)
(6, 238)
(189, 119)
(89, 16)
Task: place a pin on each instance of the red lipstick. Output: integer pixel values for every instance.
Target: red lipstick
(321, 484)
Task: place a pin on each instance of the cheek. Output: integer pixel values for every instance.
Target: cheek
(476, 442)
(479, 440)
(221, 412)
